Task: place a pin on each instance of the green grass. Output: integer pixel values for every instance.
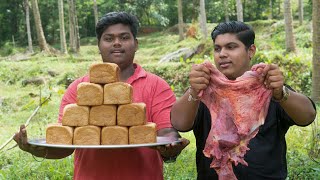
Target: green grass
(17, 103)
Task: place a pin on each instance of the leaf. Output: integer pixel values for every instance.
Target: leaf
(30, 103)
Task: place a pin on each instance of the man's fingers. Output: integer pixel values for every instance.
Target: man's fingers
(16, 137)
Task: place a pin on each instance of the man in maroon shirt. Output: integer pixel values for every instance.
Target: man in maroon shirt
(116, 33)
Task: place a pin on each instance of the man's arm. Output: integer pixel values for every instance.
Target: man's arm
(299, 108)
(183, 112)
(185, 109)
(297, 105)
(44, 152)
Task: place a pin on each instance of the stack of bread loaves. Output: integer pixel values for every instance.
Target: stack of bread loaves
(104, 113)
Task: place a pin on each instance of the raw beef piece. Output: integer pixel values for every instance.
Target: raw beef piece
(237, 107)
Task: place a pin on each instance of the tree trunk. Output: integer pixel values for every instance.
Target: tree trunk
(315, 95)
(226, 10)
(26, 5)
(72, 27)
(290, 41)
(40, 35)
(77, 32)
(95, 11)
(300, 12)
(180, 18)
(239, 10)
(270, 16)
(63, 44)
(203, 19)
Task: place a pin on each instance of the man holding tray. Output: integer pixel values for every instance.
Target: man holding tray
(116, 33)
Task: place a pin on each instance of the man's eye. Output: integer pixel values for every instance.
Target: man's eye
(217, 49)
(108, 39)
(125, 37)
(231, 47)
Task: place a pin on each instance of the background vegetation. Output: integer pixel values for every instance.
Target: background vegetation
(18, 100)
(158, 14)
(24, 80)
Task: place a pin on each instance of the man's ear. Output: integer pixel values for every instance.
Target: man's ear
(136, 44)
(252, 51)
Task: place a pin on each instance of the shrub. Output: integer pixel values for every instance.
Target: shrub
(296, 71)
(176, 75)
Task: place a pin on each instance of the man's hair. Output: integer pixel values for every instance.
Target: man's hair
(113, 18)
(243, 31)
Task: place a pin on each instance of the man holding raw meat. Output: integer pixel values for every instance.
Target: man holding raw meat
(239, 114)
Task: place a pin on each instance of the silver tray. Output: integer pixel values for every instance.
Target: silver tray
(160, 141)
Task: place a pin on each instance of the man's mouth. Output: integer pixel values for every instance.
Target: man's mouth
(225, 64)
(117, 51)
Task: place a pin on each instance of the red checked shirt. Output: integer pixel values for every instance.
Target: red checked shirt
(128, 163)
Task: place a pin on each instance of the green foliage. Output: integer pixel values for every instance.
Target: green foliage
(176, 74)
(296, 70)
(8, 49)
(17, 102)
(11, 167)
(67, 79)
(149, 12)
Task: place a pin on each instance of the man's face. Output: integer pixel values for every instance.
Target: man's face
(117, 45)
(230, 55)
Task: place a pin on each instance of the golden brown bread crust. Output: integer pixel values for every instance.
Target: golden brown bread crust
(103, 73)
(87, 135)
(143, 134)
(74, 115)
(104, 115)
(114, 135)
(117, 93)
(131, 114)
(89, 94)
(58, 134)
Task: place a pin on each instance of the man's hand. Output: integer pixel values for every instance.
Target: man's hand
(274, 80)
(22, 140)
(199, 78)
(171, 151)
(46, 152)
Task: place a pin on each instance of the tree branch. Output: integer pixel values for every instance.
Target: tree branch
(28, 120)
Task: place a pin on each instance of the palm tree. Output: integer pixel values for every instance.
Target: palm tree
(40, 35)
(73, 28)
(300, 12)
(180, 18)
(27, 8)
(316, 51)
(95, 11)
(63, 43)
(290, 40)
(239, 10)
(203, 19)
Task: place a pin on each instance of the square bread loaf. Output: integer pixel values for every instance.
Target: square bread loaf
(113, 135)
(87, 135)
(89, 94)
(104, 115)
(58, 134)
(74, 115)
(131, 114)
(143, 134)
(103, 73)
(117, 93)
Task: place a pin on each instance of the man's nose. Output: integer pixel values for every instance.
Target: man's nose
(223, 52)
(117, 42)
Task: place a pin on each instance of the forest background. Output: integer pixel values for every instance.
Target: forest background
(45, 45)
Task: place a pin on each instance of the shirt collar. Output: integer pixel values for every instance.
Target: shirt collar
(139, 72)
